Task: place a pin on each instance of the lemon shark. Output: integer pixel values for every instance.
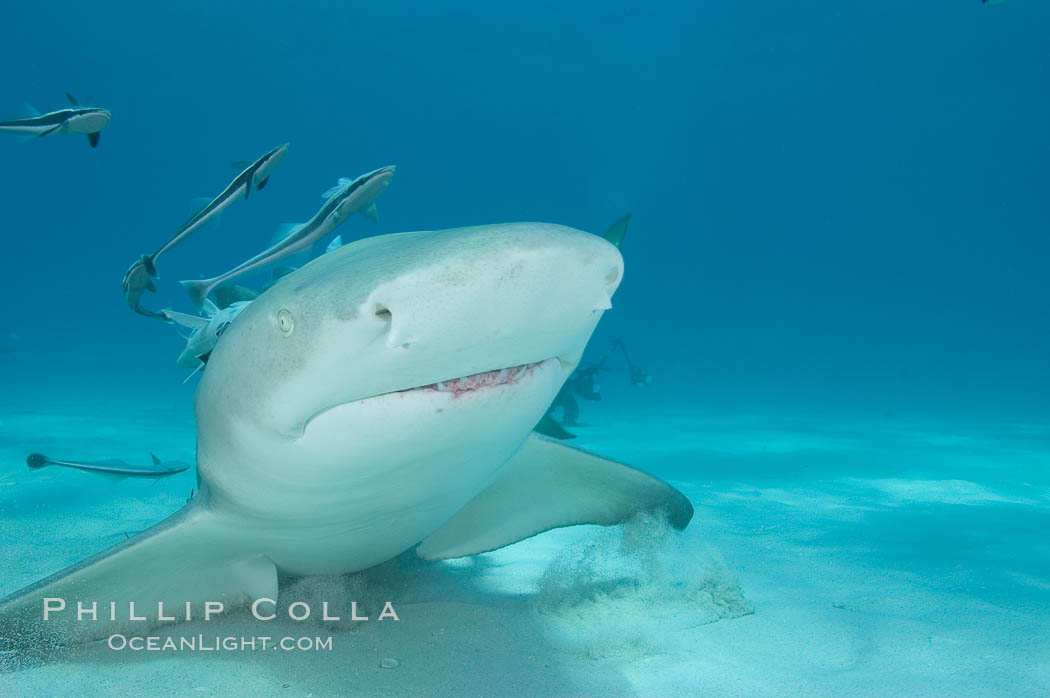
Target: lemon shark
(378, 399)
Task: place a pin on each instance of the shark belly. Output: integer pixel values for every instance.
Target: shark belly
(369, 479)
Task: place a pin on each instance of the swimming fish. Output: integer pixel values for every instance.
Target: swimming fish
(88, 121)
(256, 174)
(139, 277)
(341, 201)
(111, 466)
(138, 280)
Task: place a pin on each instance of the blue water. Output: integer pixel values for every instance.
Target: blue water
(838, 209)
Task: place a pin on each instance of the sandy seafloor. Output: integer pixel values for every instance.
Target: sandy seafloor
(879, 556)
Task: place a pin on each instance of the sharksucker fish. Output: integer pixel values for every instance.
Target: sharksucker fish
(111, 466)
(87, 121)
(205, 332)
(379, 399)
(139, 277)
(257, 174)
(341, 201)
(138, 280)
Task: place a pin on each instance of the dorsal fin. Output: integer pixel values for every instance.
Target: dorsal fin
(618, 230)
(156, 461)
(329, 193)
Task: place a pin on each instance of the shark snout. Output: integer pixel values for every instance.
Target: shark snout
(536, 298)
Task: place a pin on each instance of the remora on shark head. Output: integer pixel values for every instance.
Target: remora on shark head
(324, 445)
(204, 332)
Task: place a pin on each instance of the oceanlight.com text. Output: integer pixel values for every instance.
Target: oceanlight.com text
(218, 643)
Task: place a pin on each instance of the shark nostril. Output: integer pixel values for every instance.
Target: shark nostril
(612, 276)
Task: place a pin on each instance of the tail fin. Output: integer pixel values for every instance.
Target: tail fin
(37, 460)
(197, 290)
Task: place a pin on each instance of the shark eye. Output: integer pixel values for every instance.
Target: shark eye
(285, 322)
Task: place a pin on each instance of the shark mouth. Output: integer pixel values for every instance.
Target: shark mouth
(465, 386)
(480, 381)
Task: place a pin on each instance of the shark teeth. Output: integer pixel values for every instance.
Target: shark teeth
(477, 381)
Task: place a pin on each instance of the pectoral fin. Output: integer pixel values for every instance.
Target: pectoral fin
(193, 322)
(548, 426)
(549, 485)
(51, 130)
(192, 556)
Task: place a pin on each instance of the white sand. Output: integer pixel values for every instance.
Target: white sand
(880, 558)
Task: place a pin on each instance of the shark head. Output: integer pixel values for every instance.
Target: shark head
(422, 357)
(378, 399)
